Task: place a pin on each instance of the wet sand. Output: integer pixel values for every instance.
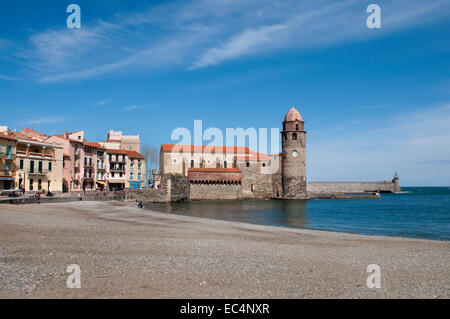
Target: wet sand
(126, 252)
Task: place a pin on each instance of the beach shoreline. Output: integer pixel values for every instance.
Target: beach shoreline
(126, 252)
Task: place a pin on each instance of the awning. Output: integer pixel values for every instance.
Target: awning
(101, 182)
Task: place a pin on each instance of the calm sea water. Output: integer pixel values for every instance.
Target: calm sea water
(421, 212)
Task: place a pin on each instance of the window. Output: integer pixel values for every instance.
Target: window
(294, 136)
(192, 163)
(8, 151)
(31, 184)
(285, 137)
(225, 164)
(139, 176)
(31, 166)
(21, 164)
(64, 162)
(120, 174)
(131, 176)
(39, 184)
(50, 166)
(296, 127)
(90, 161)
(7, 168)
(40, 166)
(264, 164)
(247, 164)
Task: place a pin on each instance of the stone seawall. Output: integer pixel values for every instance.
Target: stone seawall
(216, 191)
(173, 188)
(352, 187)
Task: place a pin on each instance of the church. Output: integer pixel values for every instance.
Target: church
(236, 172)
(199, 172)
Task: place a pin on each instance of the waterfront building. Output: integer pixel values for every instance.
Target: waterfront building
(116, 140)
(136, 170)
(39, 165)
(7, 160)
(116, 173)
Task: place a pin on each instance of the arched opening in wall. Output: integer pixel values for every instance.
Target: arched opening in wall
(294, 136)
(253, 187)
(225, 164)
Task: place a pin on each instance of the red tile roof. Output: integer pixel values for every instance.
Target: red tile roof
(29, 130)
(94, 144)
(69, 139)
(9, 137)
(205, 149)
(114, 151)
(134, 154)
(219, 170)
(254, 157)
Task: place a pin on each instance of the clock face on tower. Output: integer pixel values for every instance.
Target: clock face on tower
(294, 154)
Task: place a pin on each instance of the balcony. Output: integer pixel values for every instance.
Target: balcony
(117, 160)
(5, 172)
(34, 154)
(7, 156)
(89, 165)
(101, 168)
(117, 169)
(37, 172)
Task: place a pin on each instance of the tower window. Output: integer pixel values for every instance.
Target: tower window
(296, 127)
(285, 137)
(294, 136)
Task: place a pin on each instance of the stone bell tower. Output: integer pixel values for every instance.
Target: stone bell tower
(293, 164)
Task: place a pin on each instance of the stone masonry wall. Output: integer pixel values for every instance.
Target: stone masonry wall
(216, 191)
(349, 187)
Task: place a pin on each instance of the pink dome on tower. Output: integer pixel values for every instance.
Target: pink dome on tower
(293, 115)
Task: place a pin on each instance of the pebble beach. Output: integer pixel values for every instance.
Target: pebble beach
(127, 252)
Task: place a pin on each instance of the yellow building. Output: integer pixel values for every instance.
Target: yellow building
(7, 161)
(135, 170)
(39, 165)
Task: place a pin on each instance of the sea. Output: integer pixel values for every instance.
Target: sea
(416, 212)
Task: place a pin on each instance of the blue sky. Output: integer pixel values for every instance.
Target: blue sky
(374, 101)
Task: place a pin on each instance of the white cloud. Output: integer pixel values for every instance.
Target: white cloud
(9, 78)
(102, 102)
(44, 120)
(202, 33)
(411, 144)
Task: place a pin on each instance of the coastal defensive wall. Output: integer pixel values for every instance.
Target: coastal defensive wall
(354, 187)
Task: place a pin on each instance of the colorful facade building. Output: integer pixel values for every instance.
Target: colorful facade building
(39, 165)
(117, 169)
(116, 140)
(72, 150)
(7, 161)
(68, 163)
(136, 170)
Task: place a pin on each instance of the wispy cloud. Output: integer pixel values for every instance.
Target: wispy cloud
(413, 143)
(130, 108)
(44, 120)
(198, 34)
(9, 78)
(102, 102)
